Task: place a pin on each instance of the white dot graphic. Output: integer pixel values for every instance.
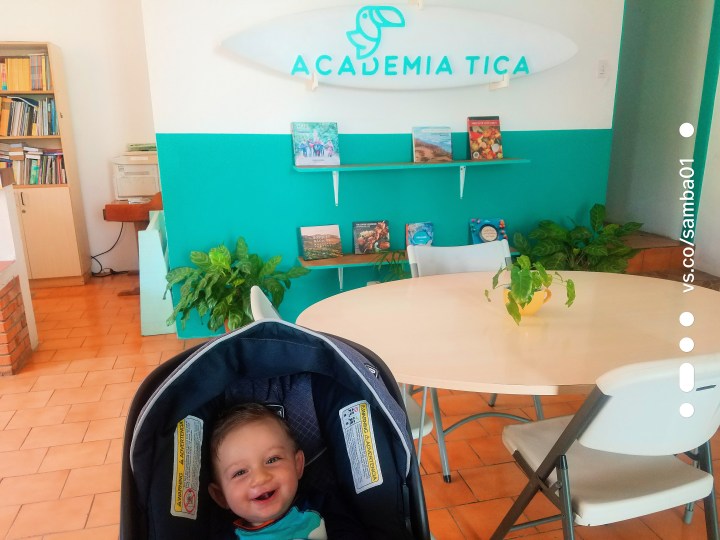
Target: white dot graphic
(687, 318)
(687, 130)
(686, 344)
(686, 410)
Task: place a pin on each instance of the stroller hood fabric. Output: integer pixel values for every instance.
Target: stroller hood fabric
(339, 399)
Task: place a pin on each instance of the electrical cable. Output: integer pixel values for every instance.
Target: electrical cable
(105, 272)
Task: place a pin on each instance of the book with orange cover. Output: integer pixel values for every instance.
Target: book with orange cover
(484, 138)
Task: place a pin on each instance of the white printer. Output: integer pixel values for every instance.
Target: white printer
(136, 174)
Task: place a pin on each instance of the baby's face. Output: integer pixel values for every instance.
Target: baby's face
(257, 471)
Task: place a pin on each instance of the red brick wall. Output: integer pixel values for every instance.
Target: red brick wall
(15, 346)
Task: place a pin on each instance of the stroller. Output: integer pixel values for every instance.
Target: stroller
(339, 399)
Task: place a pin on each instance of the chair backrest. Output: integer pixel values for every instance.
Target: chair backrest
(432, 260)
(643, 413)
(261, 306)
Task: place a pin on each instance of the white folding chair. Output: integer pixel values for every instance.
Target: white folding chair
(615, 459)
(433, 260)
(261, 306)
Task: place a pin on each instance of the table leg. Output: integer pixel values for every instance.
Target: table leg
(440, 436)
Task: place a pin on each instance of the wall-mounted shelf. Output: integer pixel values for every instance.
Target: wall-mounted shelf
(343, 261)
(460, 165)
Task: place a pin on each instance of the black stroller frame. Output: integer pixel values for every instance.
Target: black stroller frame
(315, 378)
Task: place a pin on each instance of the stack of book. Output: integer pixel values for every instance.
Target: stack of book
(22, 116)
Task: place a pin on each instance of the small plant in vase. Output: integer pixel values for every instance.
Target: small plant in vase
(529, 287)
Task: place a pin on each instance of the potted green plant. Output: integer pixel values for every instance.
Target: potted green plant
(599, 248)
(219, 284)
(529, 287)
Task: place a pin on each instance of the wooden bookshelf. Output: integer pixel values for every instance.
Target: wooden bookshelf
(51, 214)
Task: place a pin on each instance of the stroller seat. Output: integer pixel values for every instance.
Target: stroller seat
(339, 399)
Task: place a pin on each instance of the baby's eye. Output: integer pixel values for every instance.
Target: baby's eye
(239, 473)
(273, 459)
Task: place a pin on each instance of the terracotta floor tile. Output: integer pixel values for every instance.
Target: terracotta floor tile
(494, 481)
(7, 516)
(119, 350)
(114, 454)
(135, 360)
(59, 344)
(91, 364)
(64, 316)
(41, 357)
(29, 400)
(141, 372)
(72, 355)
(439, 494)
(469, 430)
(160, 346)
(32, 488)
(55, 382)
(55, 435)
(670, 524)
(67, 515)
(21, 462)
(12, 439)
(104, 343)
(633, 529)
(460, 456)
(111, 428)
(462, 404)
(92, 480)
(76, 395)
(57, 333)
(45, 416)
(490, 449)
(125, 328)
(120, 390)
(479, 520)
(443, 526)
(95, 410)
(16, 385)
(5, 417)
(86, 331)
(109, 532)
(71, 456)
(105, 510)
(109, 376)
(44, 368)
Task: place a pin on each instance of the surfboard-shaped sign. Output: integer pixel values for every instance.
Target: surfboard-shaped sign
(393, 48)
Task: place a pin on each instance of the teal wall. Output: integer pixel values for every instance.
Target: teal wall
(219, 186)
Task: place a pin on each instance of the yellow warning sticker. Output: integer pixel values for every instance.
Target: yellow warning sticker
(357, 426)
(186, 467)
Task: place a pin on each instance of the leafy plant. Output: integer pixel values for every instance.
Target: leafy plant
(390, 265)
(599, 248)
(219, 285)
(527, 278)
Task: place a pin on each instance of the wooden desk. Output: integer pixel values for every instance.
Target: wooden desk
(137, 214)
(441, 332)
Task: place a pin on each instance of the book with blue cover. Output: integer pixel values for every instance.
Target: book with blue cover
(419, 234)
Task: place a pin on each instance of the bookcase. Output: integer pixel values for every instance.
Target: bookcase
(36, 141)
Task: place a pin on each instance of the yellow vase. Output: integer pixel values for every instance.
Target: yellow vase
(539, 298)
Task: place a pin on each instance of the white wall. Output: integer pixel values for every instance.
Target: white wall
(103, 49)
(219, 92)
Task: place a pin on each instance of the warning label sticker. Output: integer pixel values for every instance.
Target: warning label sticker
(357, 427)
(186, 467)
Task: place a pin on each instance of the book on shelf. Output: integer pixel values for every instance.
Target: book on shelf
(487, 230)
(484, 138)
(142, 147)
(431, 144)
(315, 143)
(320, 242)
(370, 236)
(419, 234)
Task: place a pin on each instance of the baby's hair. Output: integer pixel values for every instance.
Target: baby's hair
(242, 415)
